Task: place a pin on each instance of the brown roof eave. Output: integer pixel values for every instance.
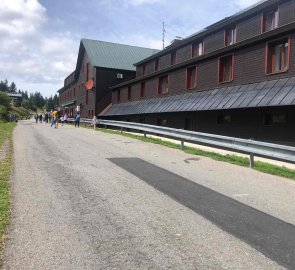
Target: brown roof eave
(264, 36)
(215, 27)
(67, 86)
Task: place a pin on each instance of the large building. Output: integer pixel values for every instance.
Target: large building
(235, 77)
(99, 65)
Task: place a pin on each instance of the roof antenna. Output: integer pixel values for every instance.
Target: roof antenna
(164, 31)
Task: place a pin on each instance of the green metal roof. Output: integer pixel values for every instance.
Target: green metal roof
(68, 103)
(113, 55)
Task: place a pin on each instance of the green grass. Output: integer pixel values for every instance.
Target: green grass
(5, 171)
(5, 131)
(233, 159)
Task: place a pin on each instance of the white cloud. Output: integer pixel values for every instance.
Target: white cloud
(28, 54)
(20, 18)
(245, 3)
(57, 45)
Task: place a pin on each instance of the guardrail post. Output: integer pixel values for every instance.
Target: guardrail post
(144, 134)
(105, 126)
(121, 129)
(251, 161)
(182, 145)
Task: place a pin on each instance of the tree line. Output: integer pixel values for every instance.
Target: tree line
(30, 101)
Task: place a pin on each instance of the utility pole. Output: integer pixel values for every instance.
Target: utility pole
(164, 31)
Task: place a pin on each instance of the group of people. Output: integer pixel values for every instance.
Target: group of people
(53, 117)
(12, 118)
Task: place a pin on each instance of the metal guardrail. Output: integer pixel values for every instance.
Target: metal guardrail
(250, 147)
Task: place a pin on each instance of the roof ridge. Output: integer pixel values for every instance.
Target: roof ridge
(119, 44)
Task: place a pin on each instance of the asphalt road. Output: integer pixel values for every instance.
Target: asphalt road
(89, 200)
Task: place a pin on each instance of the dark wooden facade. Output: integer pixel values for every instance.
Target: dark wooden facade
(250, 57)
(93, 101)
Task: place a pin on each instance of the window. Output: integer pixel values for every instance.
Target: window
(274, 119)
(129, 92)
(163, 86)
(270, 20)
(189, 124)
(118, 95)
(143, 70)
(191, 77)
(86, 96)
(87, 72)
(197, 49)
(223, 119)
(156, 64)
(226, 71)
(173, 58)
(142, 89)
(230, 36)
(277, 56)
(162, 122)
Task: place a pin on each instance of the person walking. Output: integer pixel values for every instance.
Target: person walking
(77, 119)
(66, 118)
(55, 118)
(36, 117)
(93, 122)
(62, 121)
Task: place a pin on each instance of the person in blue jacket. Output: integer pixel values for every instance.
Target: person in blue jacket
(77, 119)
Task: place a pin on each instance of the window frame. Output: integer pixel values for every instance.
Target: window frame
(187, 86)
(222, 116)
(274, 9)
(196, 45)
(267, 56)
(87, 71)
(226, 35)
(142, 89)
(173, 60)
(156, 64)
(118, 95)
(160, 92)
(232, 67)
(129, 92)
(272, 114)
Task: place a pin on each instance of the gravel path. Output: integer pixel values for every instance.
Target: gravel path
(74, 209)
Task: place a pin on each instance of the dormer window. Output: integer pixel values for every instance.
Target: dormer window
(230, 36)
(270, 20)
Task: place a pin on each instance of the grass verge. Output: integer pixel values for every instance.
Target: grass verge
(233, 159)
(5, 171)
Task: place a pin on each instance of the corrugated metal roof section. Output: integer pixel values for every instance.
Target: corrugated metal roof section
(264, 94)
(113, 55)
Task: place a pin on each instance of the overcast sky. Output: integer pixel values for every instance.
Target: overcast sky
(39, 39)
